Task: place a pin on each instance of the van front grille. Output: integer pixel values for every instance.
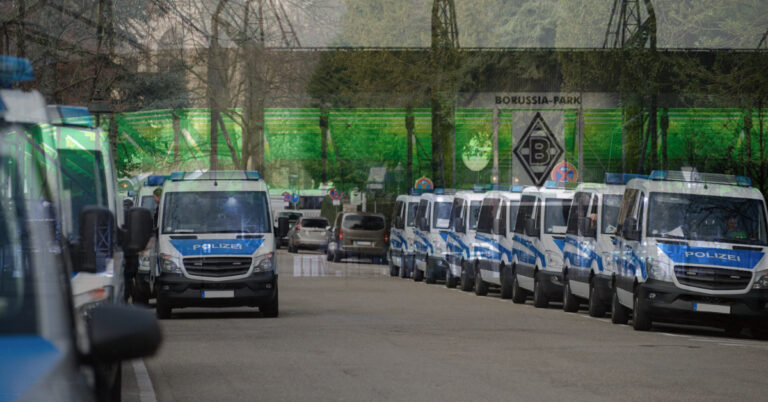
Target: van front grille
(712, 278)
(217, 267)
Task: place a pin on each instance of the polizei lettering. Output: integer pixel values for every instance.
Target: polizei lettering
(712, 254)
(538, 100)
(219, 246)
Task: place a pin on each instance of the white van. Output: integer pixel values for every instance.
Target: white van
(460, 239)
(432, 216)
(539, 240)
(401, 252)
(215, 243)
(692, 246)
(494, 241)
(589, 243)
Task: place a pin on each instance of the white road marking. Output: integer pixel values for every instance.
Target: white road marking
(146, 391)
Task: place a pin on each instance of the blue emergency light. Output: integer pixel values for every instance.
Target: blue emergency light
(552, 184)
(693, 176)
(622, 178)
(480, 188)
(216, 175)
(13, 70)
(516, 188)
(155, 180)
(439, 191)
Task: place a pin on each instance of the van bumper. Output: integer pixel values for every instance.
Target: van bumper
(553, 284)
(178, 291)
(668, 301)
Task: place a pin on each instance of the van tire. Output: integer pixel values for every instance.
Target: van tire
(466, 284)
(619, 313)
(759, 331)
(570, 303)
(393, 269)
(641, 314)
(540, 299)
(271, 309)
(328, 255)
(481, 287)
(336, 256)
(403, 267)
(162, 309)
(596, 307)
(518, 294)
(430, 274)
(418, 275)
(506, 283)
(450, 280)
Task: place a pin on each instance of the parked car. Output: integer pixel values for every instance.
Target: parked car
(284, 222)
(311, 233)
(359, 234)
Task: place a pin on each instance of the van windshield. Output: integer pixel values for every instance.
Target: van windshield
(441, 217)
(363, 222)
(84, 182)
(215, 212)
(556, 215)
(412, 206)
(611, 207)
(706, 218)
(474, 213)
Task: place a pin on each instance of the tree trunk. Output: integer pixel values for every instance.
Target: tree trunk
(216, 84)
(633, 123)
(176, 134)
(652, 131)
(409, 126)
(324, 142)
(748, 139)
(664, 129)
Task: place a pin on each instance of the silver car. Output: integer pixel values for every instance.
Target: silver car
(308, 233)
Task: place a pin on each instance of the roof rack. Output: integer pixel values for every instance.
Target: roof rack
(693, 176)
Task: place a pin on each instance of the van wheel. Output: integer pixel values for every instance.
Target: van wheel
(733, 329)
(163, 309)
(403, 267)
(291, 248)
(570, 303)
(540, 299)
(328, 255)
(518, 294)
(418, 275)
(641, 314)
(619, 314)
(430, 274)
(506, 283)
(271, 309)
(759, 331)
(596, 307)
(481, 287)
(450, 280)
(336, 256)
(393, 269)
(466, 284)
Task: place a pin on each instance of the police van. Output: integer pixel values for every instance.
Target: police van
(692, 246)
(589, 243)
(493, 241)
(215, 243)
(460, 239)
(432, 216)
(401, 251)
(538, 243)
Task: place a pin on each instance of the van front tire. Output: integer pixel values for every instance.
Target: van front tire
(481, 287)
(162, 309)
(570, 303)
(518, 294)
(619, 314)
(540, 299)
(506, 282)
(466, 284)
(641, 314)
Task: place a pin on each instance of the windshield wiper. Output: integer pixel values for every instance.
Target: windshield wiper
(232, 231)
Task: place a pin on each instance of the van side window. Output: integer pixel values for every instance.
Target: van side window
(514, 206)
(487, 215)
(524, 212)
(456, 213)
(640, 212)
(578, 209)
(421, 212)
(397, 212)
(538, 214)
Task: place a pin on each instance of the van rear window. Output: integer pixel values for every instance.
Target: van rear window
(363, 222)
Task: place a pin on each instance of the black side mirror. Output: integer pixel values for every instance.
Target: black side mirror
(138, 226)
(98, 234)
(122, 333)
(530, 228)
(628, 230)
(459, 226)
(283, 226)
(399, 222)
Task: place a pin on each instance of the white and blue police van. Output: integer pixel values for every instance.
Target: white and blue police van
(494, 241)
(215, 243)
(590, 238)
(538, 243)
(401, 251)
(460, 238)
(692, 247)
(432, 216)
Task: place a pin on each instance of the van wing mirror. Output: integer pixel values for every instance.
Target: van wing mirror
(120, 332)
(138, 226)
(629, 231)
(530, 227)
(97, 239)
(585, 227)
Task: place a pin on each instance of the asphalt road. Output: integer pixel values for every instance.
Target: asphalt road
(347, 331)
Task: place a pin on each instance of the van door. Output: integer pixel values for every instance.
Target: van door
(630, 234)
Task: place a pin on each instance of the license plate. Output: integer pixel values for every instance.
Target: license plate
(711, 308)
(218, 294)
(362, 243)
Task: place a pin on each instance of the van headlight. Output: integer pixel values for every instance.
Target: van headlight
(168, 265)
(554, 258)
(144, 261)
(658, 269)
(263, 263)
(761, 282)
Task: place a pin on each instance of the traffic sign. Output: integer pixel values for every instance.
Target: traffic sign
(286, 196)
(565, 172)
(295, 198)
(335, 194)
(424, 183)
